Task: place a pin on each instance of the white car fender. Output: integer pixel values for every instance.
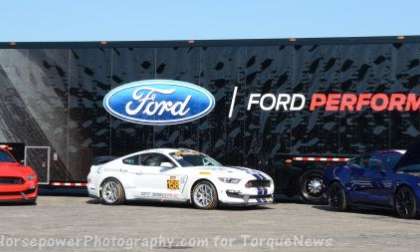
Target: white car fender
(201, 178)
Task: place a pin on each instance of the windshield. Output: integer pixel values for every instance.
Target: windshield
(6, 157)
(186, 159)
(391, 160)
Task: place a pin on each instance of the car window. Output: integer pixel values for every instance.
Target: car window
(6, 157)
(193, 158)
(133, 160)
(154, 159)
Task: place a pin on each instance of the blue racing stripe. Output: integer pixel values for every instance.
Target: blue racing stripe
(259, 192)
(261, 177)
(256, 176)
(265, 191)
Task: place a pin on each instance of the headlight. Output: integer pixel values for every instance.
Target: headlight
(230, 180)
(30, 177)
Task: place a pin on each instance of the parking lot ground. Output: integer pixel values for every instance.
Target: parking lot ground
(82, 224)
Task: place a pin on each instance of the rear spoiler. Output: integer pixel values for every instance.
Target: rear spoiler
(103, 159)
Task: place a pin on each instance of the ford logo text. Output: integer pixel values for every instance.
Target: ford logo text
(159, 102)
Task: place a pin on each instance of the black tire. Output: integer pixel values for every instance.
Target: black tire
(337, 199)
(209, 188)
(311, 187)
(112, 186)
(405, 203)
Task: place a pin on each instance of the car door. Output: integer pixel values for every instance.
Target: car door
(147, 180)
(160, 177)
(358, 185)
(374, 177)
(129, 170)
(174, 180)
(381, 178)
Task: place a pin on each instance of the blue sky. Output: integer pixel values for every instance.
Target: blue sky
(90, 20)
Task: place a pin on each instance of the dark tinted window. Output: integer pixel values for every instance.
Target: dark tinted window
(154, 159)
(133, 160)
(186, 160)
(6, 157)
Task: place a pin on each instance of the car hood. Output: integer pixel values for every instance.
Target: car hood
(14, 169)
(236, 171)
(411, 157)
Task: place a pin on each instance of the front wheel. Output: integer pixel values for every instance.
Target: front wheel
(337, 199)
(112, 192)
(204, 195)
(405, 203)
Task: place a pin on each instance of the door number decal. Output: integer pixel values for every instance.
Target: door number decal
(172, 183)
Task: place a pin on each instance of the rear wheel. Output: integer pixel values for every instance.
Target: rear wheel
(337, 199)
(112, 192)
(204, 195)
(405, 203)
(312, 186)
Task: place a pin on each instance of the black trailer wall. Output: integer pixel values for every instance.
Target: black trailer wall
(53, 97)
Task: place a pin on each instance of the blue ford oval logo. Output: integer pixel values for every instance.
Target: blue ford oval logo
(159, 102)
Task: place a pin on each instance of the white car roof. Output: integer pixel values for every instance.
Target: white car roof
(163, 150)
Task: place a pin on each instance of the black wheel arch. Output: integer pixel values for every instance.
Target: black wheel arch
(398, 187)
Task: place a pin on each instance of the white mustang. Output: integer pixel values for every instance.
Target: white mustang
(178, 175)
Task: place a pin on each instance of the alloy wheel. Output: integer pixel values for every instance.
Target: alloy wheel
(110, 192)
(204, 196)
(314, 186)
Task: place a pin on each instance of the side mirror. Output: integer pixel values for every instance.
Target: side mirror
(167, 165)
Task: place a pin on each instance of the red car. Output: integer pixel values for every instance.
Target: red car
(18, 183)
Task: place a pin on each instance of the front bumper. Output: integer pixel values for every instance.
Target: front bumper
(92, 190)
(22, 192)
(248, 197)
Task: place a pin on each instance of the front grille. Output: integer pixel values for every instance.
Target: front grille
(30, 191)
(258, 183)
(260, 196)
(10, 181)
(238, 195)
